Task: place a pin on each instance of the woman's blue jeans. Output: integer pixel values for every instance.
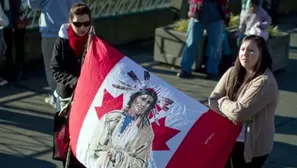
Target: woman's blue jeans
(226, 50)
(239, 40)
(214, 45)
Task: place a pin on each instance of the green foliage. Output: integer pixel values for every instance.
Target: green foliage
(181, 25)
(234, 21)
(274, 31)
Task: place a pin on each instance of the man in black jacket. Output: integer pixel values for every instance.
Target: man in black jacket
(14, 33)
(69, 51)
(65, 64)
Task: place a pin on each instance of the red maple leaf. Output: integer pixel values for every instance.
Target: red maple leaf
(109, 103)
(162, 135)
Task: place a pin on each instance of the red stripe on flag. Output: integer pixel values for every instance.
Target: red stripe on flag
(100, 56)
(208, 143)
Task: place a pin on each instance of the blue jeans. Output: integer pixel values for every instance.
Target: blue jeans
(226, 50)
(214, 44)
(239, 40)
(226, 47)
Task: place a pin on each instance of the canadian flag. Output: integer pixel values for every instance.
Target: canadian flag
(124, 116)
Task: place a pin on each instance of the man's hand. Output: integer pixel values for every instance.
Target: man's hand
(190, 14)
(259, 25)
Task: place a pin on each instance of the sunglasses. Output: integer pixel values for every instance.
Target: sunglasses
(79, 24)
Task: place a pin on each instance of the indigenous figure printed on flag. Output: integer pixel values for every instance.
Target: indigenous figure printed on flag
(124, 137)
(126, 117)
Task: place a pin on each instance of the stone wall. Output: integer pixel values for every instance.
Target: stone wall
(129, 28)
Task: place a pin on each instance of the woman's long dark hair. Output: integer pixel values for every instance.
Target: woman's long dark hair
(237, 76)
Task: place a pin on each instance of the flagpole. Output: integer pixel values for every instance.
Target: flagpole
(91, 33)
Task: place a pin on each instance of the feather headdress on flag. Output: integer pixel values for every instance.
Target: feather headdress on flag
(145, 85)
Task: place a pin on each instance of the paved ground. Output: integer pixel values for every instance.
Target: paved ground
(26, 122)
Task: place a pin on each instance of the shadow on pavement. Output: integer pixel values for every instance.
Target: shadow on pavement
(287, 79)
(28, 122)
(11, 161)
(283, 156)
(286, 125)
(32, 79)
(293, 48)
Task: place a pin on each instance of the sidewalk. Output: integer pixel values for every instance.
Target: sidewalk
(26, 121)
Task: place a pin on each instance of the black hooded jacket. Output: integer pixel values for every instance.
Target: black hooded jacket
(65, 64)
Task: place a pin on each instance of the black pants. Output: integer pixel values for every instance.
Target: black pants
(271, 7)
(16, 37)
(236, 159)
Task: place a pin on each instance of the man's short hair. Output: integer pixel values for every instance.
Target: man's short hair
(80, 9)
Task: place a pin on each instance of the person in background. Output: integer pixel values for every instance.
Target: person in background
(247, 94)
(256, 21)
(69, 50)
(269, 5)
(245, 5)
(209, 15)
(3, 22)
(14, 33)
(226, 61)
(67, 55)
(53, 14)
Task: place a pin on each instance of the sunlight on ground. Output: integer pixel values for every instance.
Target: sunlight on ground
(286, 138)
